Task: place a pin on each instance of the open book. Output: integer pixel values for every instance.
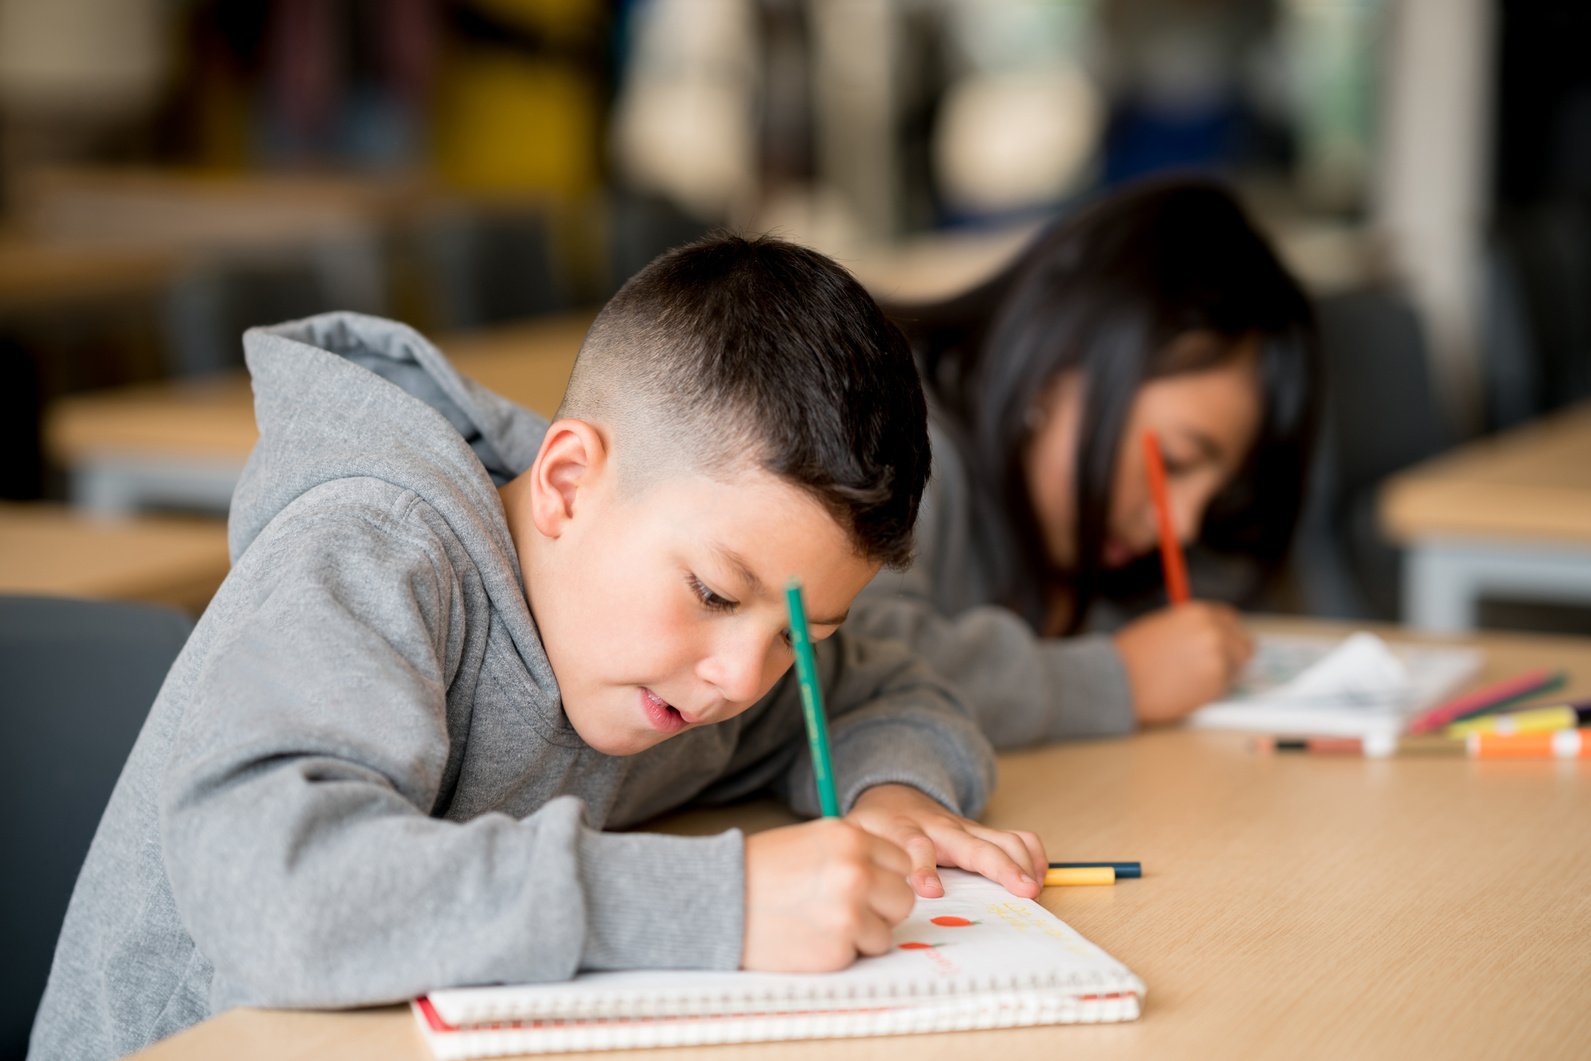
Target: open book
(977, 958)
(1354, 687)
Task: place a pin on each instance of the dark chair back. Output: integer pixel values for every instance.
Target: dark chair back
(77, 678)
(1382, 413)
(1536, 353)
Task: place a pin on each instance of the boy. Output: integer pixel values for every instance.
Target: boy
(382, 762)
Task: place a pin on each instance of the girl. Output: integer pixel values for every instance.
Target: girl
(1156, 309)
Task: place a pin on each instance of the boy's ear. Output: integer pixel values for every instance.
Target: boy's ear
(572, 462)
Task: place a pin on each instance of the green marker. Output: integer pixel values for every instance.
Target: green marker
(812, 701)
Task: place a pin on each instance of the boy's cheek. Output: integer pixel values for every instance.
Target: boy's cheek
(777, 668)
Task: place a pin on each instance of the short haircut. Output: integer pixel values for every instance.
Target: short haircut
(732, 352)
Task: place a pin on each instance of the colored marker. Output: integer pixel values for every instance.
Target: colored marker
(1123, 869)
(1556, 744)
(1487, 699)
(812, 702)
(1375, 747)
(1170, 551)
(1538, 720)
(1077, 875)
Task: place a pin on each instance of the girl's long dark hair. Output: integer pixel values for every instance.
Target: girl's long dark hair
(1106, 290)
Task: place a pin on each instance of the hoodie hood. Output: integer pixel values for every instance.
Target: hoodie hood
(344, 395)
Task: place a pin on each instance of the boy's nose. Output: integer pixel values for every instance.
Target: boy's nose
(736, 670)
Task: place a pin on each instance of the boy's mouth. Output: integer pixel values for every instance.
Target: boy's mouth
(664, 717)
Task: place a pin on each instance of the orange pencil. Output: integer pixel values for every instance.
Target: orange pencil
(1170, 551)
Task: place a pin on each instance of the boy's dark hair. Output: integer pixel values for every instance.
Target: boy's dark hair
(732, 350)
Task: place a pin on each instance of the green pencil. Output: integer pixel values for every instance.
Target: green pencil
(812, 702)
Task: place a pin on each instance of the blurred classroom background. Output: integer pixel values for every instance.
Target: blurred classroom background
(174, 171)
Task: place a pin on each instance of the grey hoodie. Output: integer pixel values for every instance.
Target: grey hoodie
(357, 782)
(1023, 688)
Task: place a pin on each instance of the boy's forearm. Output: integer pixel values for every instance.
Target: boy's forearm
(351, 901)
(663, 902)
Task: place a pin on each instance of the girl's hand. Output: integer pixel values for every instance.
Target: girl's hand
(1181, 657)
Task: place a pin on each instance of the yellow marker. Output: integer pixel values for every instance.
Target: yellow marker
(1079, 875)
(1540, 720)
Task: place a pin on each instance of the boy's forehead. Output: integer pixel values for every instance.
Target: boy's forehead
(756, 526)
(736, 487)
(737, 505)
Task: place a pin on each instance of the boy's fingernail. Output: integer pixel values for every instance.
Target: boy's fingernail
(1025, 879)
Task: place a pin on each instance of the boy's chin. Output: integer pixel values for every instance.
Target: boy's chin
(620, 744)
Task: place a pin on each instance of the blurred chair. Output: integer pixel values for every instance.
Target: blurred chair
(1381, 413)
(71, 319)
(1537, 350)
(482, 264)
(78, 678)
(254, 249)
(640, 227)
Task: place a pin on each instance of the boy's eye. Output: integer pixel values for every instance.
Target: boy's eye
(708, 598)
(784, 635)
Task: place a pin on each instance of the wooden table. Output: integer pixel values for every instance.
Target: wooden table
(185, 441)
(197, 212)
(1509, 514)
(51, 550)
(1298, 907)
(36, 276)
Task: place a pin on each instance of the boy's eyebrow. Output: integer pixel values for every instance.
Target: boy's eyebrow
(753, 583)
(831, 622)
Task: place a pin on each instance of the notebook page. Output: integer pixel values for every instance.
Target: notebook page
(978, 938)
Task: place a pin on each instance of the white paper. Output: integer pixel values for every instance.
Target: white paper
(1357, 686)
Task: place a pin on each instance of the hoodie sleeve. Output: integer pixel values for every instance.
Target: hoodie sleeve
(296, 808)
(891, 720)
(1023, 689)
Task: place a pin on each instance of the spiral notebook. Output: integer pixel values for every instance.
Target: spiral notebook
(977, 958)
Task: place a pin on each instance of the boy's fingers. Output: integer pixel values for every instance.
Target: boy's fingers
(1012, 846)
(924, 873)
(991, 860)
(1035, 849)
(891, 898)
(888, 855)
(875, 936)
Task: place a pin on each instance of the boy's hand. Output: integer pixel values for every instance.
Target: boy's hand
(932, 836)
(1181, 657)
(820, 893)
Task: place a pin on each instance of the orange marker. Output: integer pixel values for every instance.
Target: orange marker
(1170, 551)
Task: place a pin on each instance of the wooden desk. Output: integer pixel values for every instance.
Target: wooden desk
(1293, 907)
(196, 210)
(1507, 514)
(53, 551)
(185, 441)
(36, 276)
